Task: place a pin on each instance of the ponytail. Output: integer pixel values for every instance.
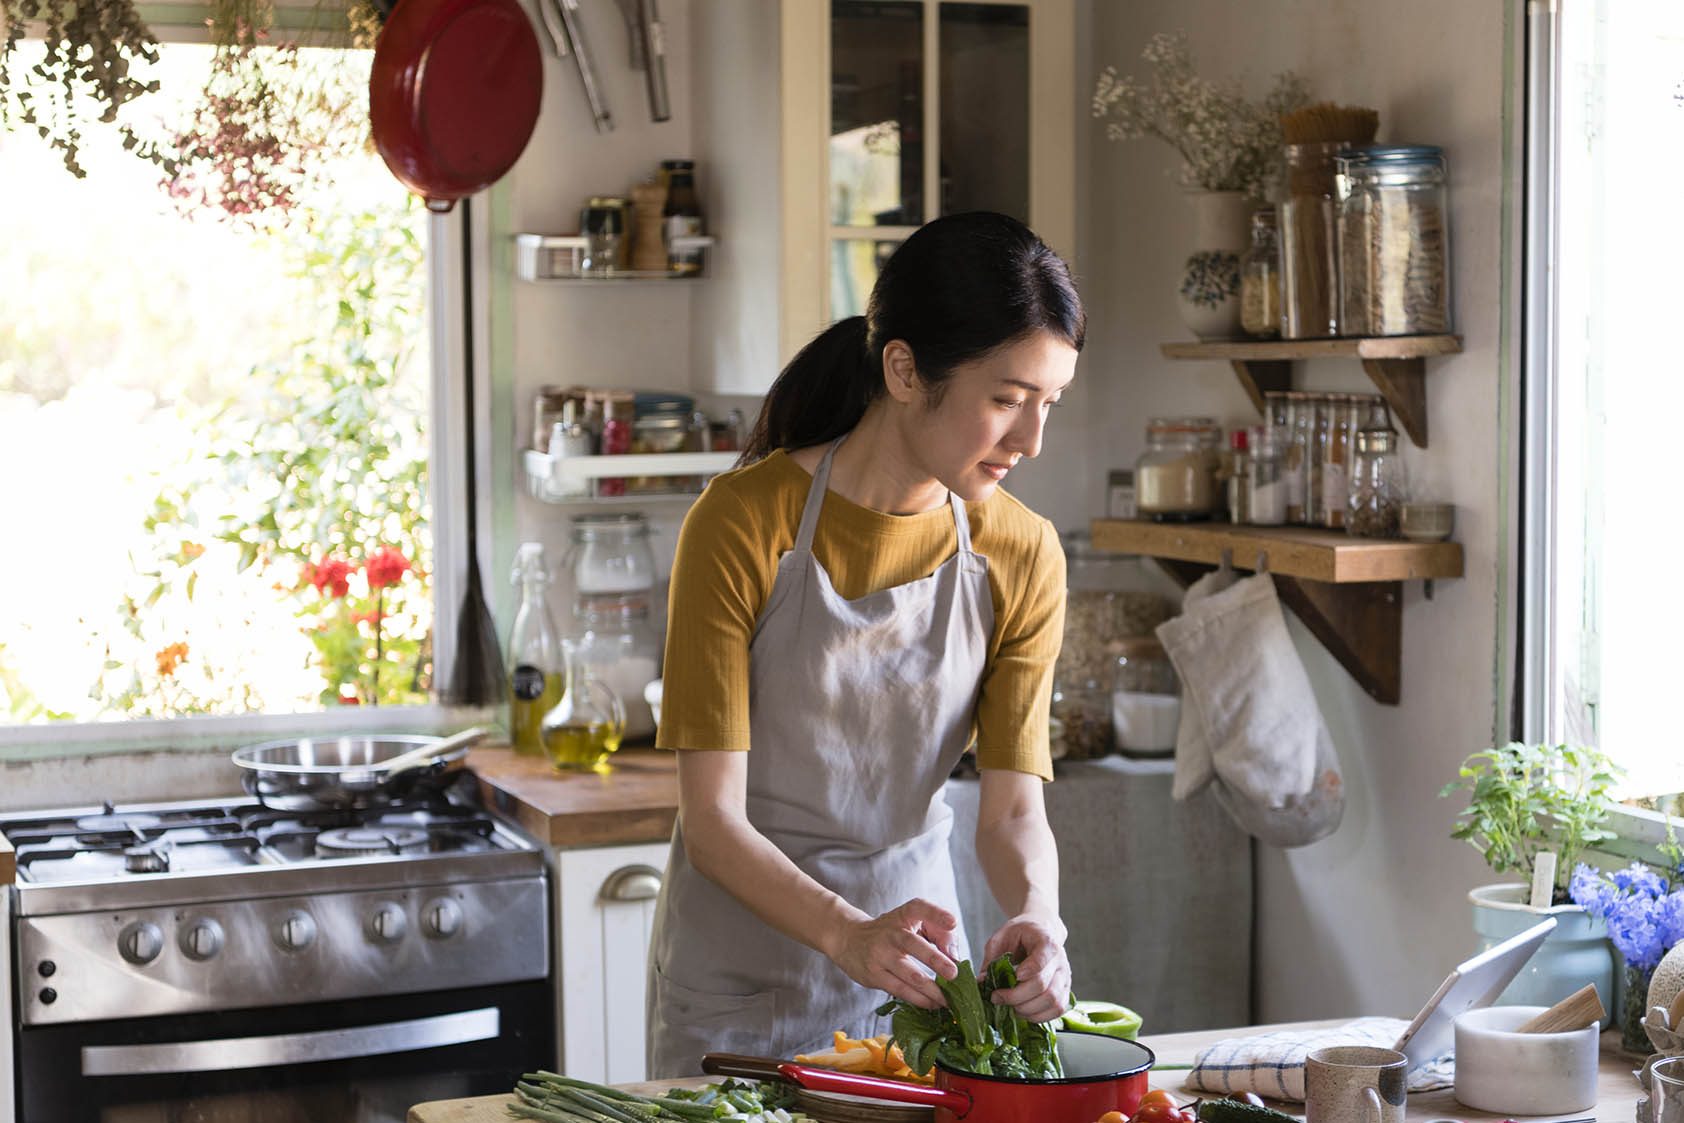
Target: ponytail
(820, 395)
(959, 288)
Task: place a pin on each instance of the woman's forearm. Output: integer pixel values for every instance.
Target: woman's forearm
(1015, 845)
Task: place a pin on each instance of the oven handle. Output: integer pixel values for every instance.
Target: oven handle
(228, 1053)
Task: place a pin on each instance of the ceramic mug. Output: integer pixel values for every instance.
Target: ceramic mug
(1355, 1084)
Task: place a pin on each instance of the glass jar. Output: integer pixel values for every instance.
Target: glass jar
(1268, 479)
(1081, 720)
(610, 555)
(1309, 296)
(587, 725)
(1145, 702)
(1295, 456)
(1351, 243)
(1110, 597)
(1395, 228)
(1175, 478)
(618, 418)
(1378, 483)
(547, 406)
(681, 216)
(614, 638)
(1260, 277)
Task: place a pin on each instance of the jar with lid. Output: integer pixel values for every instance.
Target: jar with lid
(1309, 296)
(1260, 277)
(1395, 241)
(656, 432)
(1175, 478)
(681, 216)
(1268, 478)
(619, 417)
(604, 222)
(1378, 485)
(1239, 478)
(1145, 702)
(614, 639)
(610, 555)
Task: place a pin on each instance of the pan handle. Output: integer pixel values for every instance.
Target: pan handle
(741, 1066)
(877, 1088)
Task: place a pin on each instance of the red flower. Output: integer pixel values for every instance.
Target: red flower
(386, 567)
(372, 617)
(331, 573)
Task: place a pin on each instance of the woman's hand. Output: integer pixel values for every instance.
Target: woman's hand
(890, 952)
(1036, 943)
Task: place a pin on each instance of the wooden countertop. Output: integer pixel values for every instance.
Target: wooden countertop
(635, 800)
(1618, 1098)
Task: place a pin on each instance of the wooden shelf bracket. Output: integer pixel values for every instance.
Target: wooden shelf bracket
(1360, 624)
(1263, 376)
(1403, 383)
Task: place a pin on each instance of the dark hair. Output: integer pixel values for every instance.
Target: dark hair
(957, 289)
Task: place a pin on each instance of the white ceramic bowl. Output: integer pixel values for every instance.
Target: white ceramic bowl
(652, 695)
(1509, 1073)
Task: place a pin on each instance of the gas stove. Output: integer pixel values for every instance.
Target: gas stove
(137, 910)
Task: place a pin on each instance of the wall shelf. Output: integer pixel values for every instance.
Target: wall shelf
(551, 482)
(1347, 591)
(559, 258)
(1395, 364)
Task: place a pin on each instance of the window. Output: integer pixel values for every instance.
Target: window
(1604, 385)
(215, 437)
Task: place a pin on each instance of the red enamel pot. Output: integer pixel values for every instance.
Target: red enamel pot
(454, 94)
(1101, 1074)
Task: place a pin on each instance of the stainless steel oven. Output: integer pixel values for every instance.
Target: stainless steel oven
(210, 962)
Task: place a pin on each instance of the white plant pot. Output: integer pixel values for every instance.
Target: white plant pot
(1210, 276)
(1576, 953)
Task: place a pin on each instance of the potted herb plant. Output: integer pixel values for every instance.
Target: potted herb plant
(1525, 801)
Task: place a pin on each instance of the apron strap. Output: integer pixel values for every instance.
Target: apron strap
(815, 497)
(961, 523)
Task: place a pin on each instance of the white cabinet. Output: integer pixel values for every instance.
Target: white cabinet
(605, 912)
(765, 89)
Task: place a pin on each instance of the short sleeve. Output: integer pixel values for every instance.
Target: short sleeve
(1012, 712)
(720, 580)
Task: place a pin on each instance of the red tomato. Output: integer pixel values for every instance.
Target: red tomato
(1157, 1106)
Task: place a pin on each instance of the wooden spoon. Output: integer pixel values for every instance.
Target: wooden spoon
(1576, 1011)
(415, 758)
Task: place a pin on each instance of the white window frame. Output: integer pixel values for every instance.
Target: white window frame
(447, 482)
(1540, 714)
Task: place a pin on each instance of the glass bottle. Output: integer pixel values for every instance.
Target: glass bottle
(1239, 478)
(1321, 432)
(1296, 454)
(587, 724)
(1336, 460)
(1268, 479)
(536, 666)
(1275, 410)
(616, 440)
(1260, 277)
(614, 640)
(681, 217)
(1378, 482)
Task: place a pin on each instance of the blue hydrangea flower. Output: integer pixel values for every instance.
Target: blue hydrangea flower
(1644, 919)
(1638, 878)
(1669, 913)
(1590, 890)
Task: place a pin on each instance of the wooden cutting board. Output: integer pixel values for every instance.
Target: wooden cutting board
(492, 1109)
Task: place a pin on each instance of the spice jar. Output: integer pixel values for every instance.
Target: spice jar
(1268, 479)
(1394, 242)
(616, 439)
(1175, 478)
(1145, 702)
(547, 406)
(1260, 277)
(1309, 297)
(1378, 483)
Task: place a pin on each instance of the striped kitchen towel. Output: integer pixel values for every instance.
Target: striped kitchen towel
(1272, 1064)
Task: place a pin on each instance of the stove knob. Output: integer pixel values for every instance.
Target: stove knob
(296, 931)
(201, 939)
(442, 918)
(387, 923)
(140, 942)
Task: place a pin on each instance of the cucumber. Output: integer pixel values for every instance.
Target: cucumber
(1237, 1111)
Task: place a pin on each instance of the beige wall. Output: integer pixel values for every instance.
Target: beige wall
(1369, 920)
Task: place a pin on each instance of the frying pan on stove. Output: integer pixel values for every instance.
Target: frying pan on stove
(351, 772)
(454, 94)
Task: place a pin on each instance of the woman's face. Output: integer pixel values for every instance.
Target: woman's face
(991, 414)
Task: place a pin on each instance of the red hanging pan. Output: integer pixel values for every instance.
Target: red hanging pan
(454, 94)
(1101, 1074)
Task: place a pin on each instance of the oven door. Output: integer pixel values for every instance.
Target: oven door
(359, 1062)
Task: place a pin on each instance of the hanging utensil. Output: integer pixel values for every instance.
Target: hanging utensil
(653, 38)
(567, 36)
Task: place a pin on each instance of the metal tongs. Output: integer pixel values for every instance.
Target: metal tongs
(567, 35)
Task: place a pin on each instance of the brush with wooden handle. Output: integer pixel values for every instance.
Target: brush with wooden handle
(1576, 1011)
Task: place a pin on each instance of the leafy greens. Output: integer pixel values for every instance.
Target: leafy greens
(972, 1034)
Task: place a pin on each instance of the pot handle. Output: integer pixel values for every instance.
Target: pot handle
(878, 1088)
(744, 1067)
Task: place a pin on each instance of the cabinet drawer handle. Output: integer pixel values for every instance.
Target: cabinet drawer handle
(632, 883)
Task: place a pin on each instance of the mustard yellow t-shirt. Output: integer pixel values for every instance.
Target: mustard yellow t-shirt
(727, 559)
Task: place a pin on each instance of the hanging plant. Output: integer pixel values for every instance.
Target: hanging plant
(85, 74)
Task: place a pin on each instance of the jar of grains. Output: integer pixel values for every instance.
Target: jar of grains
(1394, 242)
(1175, 478)
(1260, 277)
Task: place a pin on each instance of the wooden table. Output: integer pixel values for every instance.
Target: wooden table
(1616, 1103)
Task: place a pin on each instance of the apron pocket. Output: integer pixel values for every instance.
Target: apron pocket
(687, 1023)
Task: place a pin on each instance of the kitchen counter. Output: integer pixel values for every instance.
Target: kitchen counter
(8, 862)
(1617, 1099)
(636, 801)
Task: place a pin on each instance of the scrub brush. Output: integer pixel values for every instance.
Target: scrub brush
(1325, 122)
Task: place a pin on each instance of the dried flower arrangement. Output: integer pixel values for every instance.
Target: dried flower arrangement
(1226, 141)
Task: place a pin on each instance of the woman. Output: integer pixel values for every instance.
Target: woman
(850, 608)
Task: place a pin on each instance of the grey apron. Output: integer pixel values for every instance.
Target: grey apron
(858, 712)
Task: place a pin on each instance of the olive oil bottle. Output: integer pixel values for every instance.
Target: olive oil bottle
(586, 728)
(537, 667)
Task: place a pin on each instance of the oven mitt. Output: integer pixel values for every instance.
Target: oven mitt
(1249, 718)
